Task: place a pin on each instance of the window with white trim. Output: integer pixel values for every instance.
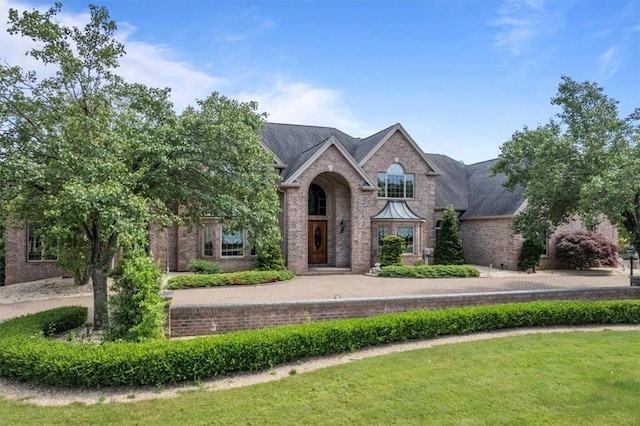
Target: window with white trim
(406, 233)
(232, 242)
(36, 249)
(395, 183)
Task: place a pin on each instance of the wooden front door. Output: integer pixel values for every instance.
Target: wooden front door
(317, 242)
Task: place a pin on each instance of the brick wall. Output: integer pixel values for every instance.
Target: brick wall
(17, 268)
(216, 319)
(490, 242)
(399, 149)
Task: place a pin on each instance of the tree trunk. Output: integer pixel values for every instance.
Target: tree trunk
(100, 299)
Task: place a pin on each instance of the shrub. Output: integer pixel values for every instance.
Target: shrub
(137, 309)
(200, 266)
(232, 278)
(530, 254)
(32, 358)
(391, 250)
(429, 271)
(584, 249)
(270, 259)
(449, 241)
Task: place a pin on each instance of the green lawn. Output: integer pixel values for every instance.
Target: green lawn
(574, 378)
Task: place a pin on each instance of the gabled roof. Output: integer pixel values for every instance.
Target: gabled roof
(305, 161)
(487, 196)
(373, 143)
(472, 189)
(294, 144)
(451, 185)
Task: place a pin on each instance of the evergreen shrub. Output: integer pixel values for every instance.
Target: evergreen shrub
(530, 254)
(231, 278)
(201, 266)
(449, 241)
(136, 307)
(391, 250)
(429, 271)
(270, 259)
(26, 355)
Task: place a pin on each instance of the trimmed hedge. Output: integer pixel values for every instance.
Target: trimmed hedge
(232, 278)
(31, 357)
(200, 266)
(429, 271)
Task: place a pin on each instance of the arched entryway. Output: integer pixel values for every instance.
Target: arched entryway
(328, 220)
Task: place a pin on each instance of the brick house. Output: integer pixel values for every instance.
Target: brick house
(338, 196)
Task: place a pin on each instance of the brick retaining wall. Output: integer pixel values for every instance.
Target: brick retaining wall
(194, 320)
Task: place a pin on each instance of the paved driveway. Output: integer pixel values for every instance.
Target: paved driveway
(321, 287)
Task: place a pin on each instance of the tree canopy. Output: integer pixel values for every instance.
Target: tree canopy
(93, 160)
(583, 164)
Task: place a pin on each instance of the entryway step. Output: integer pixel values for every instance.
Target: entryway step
(328, 270)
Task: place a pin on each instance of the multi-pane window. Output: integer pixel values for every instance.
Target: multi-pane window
(406, 232)
(36, 249)
(317, 201)
(395, 183)
(232, 242)
(207, 240)
(383, 231)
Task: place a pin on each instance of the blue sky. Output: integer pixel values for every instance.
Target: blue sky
(461, 76)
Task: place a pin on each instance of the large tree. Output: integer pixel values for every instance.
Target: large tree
(583, 164)
(92, 160)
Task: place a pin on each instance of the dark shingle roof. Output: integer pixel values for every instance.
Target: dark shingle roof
(295, 144)
(365, 145)
(470, 189)
(451, 185)
(487, 196)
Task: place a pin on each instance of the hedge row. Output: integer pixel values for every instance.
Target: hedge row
(232, 278)
(37, 359)
(429, 271)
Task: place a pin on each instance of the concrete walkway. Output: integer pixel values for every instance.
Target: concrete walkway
(323, 287)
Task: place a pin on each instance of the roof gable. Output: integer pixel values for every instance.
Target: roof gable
(294, 144)
(305, 161)
(380, 138)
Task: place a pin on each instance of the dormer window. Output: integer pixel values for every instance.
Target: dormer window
(395, 183)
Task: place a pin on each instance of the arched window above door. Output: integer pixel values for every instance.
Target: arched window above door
(317, 201)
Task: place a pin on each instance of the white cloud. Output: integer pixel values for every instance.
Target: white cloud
(151, 64)
(156, 65)
(520, 23)
(302, 103)
(609, 62)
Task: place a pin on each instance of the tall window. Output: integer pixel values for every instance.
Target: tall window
(232, 242)
(406, 232)
(36, 249)
(395, 183)
(317, 201)
(207, 240)
(383, 231)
